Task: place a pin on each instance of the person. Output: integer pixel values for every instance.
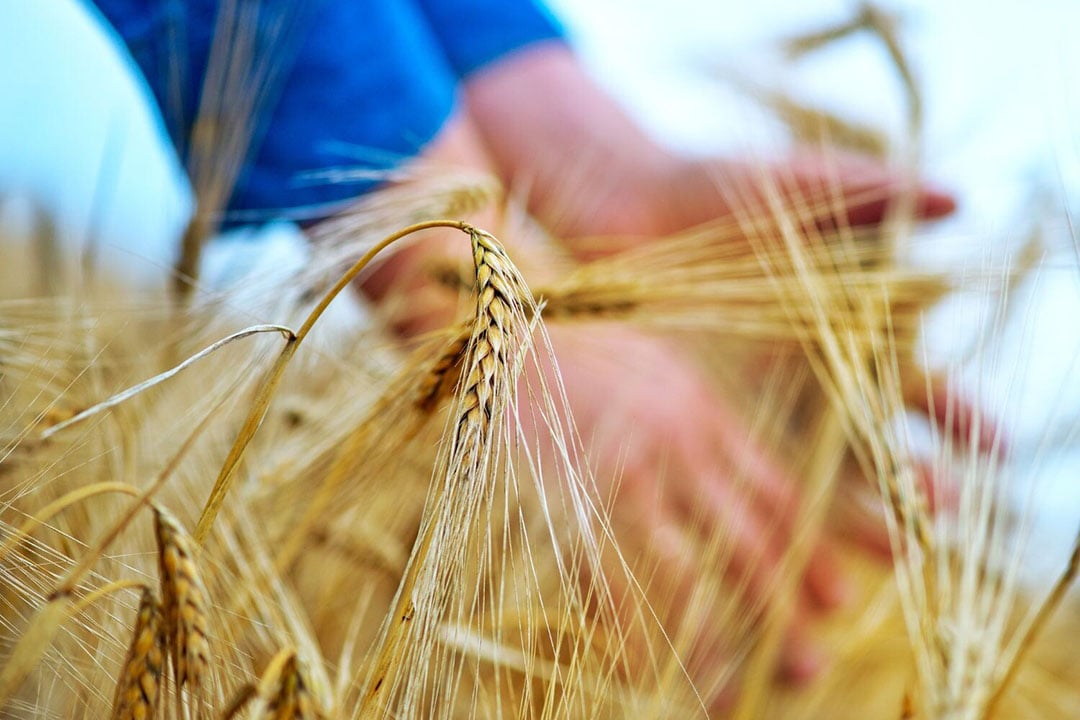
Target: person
(495, 85)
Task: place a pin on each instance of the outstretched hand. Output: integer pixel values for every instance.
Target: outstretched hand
(679, 460)
(826, 190)
(587, 170)
(684, 474)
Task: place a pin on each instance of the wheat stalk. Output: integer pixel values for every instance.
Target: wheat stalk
(251, 50)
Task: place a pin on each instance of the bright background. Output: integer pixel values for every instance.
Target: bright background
(1001, 93)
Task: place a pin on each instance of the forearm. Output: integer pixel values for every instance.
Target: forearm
(553, 133)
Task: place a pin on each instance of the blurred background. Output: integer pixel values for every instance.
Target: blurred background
(1000, 85)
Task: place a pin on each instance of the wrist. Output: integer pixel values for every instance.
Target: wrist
(555, 134)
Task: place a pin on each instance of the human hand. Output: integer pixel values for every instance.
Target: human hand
(661, 198)
(588, 170)
(692, 495)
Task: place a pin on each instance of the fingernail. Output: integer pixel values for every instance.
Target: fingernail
(936, 202)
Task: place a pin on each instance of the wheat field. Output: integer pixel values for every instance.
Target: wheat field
(255, 501)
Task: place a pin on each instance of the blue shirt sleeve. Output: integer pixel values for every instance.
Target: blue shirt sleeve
(474, 33)
(370, 83)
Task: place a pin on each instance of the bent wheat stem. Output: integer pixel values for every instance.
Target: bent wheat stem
(162, 377)
(273, 378)
(59, 505)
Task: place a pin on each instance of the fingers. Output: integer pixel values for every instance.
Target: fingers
(830, 191)
(746, 461)
(662, 612)
(746, 549)
(861, 512)
(697, 502)
(835, 191)
(869, 206)
(707, 558)
(863, 520)
(865, 187)
(757, 506)
(825, 579)
(754, 555)
(750, 541)
(959, 417)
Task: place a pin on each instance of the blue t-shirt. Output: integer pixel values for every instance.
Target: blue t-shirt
(362, 83)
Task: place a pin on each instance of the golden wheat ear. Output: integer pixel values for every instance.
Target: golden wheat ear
(282, 693)
(139, 685)
(183, 603)
(486, 386)
(970, 620)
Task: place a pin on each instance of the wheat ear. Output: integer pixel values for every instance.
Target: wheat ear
(282, 693)
(483, 392)
(46, 623)
(183, 604)
(444, 373)
(139, 685)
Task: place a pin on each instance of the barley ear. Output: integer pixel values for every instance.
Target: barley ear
(282, 693)
(139, 685)
(444, 373)
(484, 383)
(183, 602)
(294, 700)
